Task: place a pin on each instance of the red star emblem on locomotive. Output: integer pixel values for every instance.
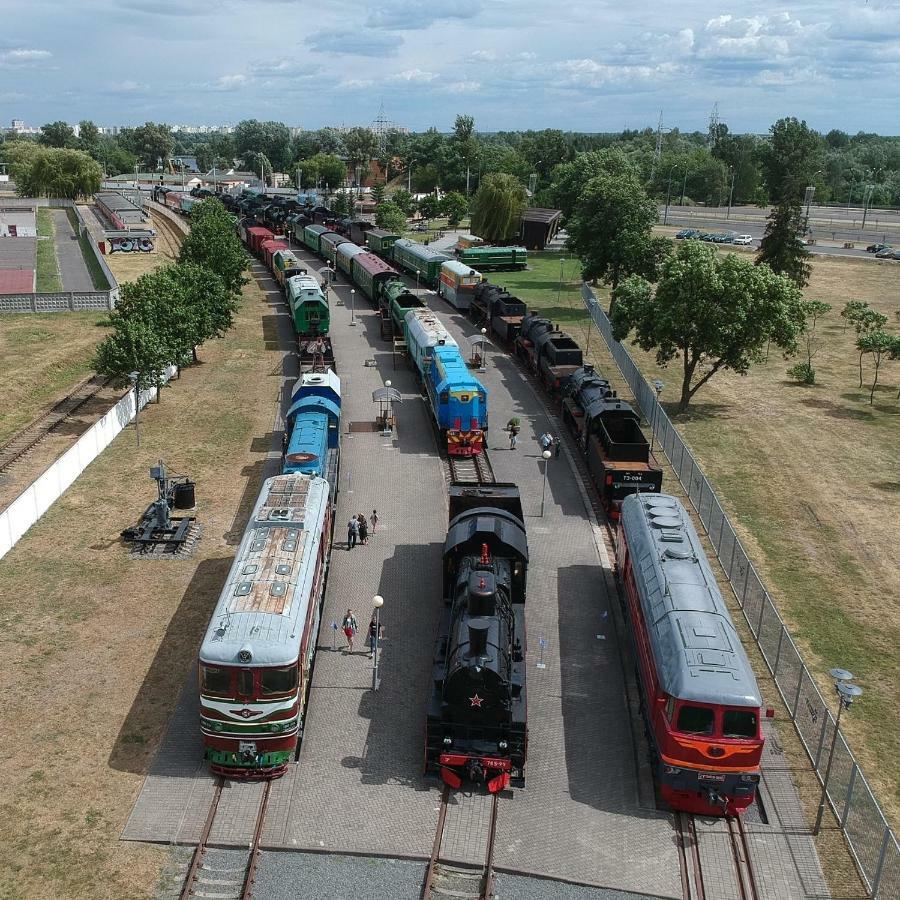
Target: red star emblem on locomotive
(476, 701)
(246, 713)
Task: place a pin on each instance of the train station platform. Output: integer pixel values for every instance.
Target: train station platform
(587, 812)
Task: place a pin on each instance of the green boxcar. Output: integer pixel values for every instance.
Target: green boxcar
(309, 308)
(311, 235)
(380, 241)
(488, 258)
(413, 257)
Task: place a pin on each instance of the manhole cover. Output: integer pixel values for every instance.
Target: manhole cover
(363, 426)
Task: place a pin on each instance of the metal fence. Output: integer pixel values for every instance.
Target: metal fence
(871, 841)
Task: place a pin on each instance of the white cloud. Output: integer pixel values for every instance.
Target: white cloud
(231, 82)
(463, 87)
(413, 15)
(21, 57)
(412, 76)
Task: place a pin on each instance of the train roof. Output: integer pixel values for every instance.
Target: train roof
(382, 233)
(316, 229)
(426, 329)
(322, 383)
(458, 268)
(698, 653)
(263, 607)
(374, 265)
(453, 374)
(332, 237)
(349, 249)
(420, 250)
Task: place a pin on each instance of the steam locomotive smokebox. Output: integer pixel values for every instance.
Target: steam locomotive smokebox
(185, 495)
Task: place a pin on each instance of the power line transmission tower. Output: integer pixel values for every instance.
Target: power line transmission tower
(658, 150)
(713, 134)
(381, 126)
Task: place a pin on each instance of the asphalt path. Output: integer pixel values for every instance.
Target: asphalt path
(73, 271)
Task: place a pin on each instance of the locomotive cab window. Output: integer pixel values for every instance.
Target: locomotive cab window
(739, 723)
(216, 680)
(696, 720)
(445, 397)
(245, 683)
(278, 681)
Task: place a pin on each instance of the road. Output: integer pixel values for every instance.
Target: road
(73, 272)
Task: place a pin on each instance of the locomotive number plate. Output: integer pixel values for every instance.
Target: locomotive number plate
(711, 776)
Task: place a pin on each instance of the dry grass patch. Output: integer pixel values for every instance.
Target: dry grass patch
(104, 643)
(809, 476)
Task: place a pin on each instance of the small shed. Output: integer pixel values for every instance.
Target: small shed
(539, 227)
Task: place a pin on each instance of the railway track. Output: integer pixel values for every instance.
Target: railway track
(471, 469)
(172, 238)
(225, 874)
(460, 882)
(29, 437)
(742, 875)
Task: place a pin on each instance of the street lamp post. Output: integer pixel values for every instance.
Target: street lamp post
(668, 193)
(417, 281)
(657, 386)
(730, 193)
(870, 188)
(390, 410)
(559, 286)
(377, 603)
(546, 457)
(483, 349)
(352, 307)
(683, 186)
(847, 693)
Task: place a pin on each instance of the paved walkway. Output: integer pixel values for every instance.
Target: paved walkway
(73, 271)
(586, 813)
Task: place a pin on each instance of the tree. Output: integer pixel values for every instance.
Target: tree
(813, 310)
(430, 206)
(881, 345)
(497, 208)
(362, 145)
(454, 206)
(252, 137)
(212, 243)
(151, 142)
(714, 311)
(390, 217)
(790, 159)
(89, 138)
(865, 321)
(207, 307)
(342, 203)
(465, 144)
(57, 134)
(569, 179)
(544, 150)
(59, 173)
(403, 200)
(610, 230)
(378, 193)
(782, 248)
(19, 156)
(323, 168)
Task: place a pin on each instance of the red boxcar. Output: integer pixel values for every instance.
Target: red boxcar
(255, 237)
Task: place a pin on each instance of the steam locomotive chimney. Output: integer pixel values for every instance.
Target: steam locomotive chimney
(478, 632)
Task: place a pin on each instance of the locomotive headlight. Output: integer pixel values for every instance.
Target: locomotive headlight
(673, 770)
(448, 741)
(502, 745)
(217, 726)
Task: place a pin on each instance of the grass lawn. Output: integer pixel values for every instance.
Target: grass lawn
(98, 646)
(47, 275)
(434, 226)
(42, 357)
(100, 281)
(810, 477)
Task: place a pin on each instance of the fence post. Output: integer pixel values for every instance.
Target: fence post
(821, 741)
(700, 502)
(762, 609)
(778, 653)
(799, 686)
(849, 797)
(879, 869)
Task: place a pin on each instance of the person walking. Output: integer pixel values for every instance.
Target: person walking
(352, 532)
(373, 627)
(557, 444)
(350, 627)
(546, 440)
(363, 529)
(373, 519)
(512, 426)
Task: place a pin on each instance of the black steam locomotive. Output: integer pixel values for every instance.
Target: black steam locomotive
(476, 729)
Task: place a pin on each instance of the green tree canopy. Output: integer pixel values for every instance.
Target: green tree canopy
(362, 146)
(610, 229)
(497, 208)
(272, 139)
(881, 346)
(150, 143)
(403, 200)
(790, 159)
(57, 134)
(322, 169)
(715, 312)
(212, 243)
(59, 173)
(454, 206)
(782, 247)
(570, 179)
(390, 217)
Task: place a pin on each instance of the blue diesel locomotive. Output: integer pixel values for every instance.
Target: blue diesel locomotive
(313, 426)
(458, 400)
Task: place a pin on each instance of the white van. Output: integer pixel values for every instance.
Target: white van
(743, 239)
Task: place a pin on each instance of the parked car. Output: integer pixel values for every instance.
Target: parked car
(896, 254)
(875, 248)
(686, 233)
(885, 253)
(743, 239)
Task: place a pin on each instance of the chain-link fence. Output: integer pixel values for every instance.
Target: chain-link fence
(868, 834)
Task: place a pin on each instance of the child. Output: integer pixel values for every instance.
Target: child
(374, 520)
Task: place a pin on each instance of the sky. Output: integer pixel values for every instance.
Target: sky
(584, 65)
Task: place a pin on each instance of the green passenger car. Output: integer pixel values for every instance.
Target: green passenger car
(412, 257)
(309, 308)
(486, 259)
(311, 235)
(380, 241)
